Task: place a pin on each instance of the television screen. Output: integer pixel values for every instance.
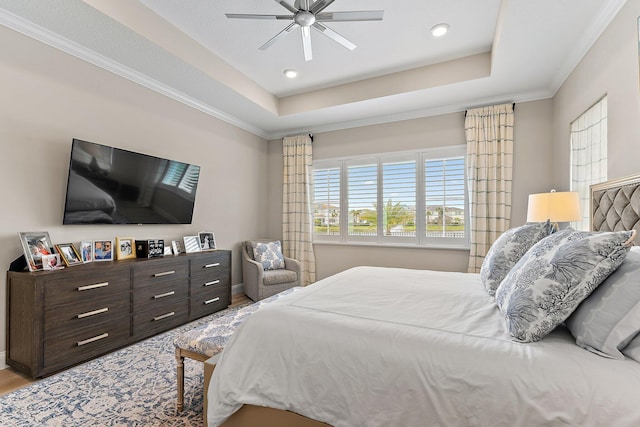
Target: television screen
(112, 186)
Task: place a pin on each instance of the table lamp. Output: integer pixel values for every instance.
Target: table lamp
(555, 206)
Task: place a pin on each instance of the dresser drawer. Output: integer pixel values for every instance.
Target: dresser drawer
(81, 287)
(82, 344)
(209, 302)
(202, 284)
(154, 272)
(160, 318)
(60, 319)
(211, 264)
(159, 294)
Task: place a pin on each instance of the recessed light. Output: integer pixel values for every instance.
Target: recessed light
(292, 74)
(440, 30)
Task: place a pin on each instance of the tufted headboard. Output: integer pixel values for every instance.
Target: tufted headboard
(615, 205)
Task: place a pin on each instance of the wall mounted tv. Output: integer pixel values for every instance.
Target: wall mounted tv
(107, 185)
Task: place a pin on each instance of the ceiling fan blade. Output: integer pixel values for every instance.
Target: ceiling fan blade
(287, 6)
(252, 16)
(320, 5)
(361, 15)
(306, 43)
(277, 37)
(333, 35)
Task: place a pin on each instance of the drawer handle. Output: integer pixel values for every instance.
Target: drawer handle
(215, 282)
(212, 300)
(90, 340)
(93, 313)
(164, 316)
(166, 294)
(165, 273)
(215, 264)
(96, 286)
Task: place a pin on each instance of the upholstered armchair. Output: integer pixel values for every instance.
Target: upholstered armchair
(260, 283)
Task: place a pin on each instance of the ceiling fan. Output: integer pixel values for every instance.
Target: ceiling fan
(308, 14)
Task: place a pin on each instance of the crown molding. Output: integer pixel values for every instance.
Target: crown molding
(70, 47)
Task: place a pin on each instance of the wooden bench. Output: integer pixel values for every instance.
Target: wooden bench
(208, 340)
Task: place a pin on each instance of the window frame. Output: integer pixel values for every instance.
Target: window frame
(420, 239)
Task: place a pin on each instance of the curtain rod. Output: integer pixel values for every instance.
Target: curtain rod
(465, 111)
(310, 136)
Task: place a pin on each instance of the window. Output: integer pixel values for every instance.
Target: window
(588, 156)
(413, 198)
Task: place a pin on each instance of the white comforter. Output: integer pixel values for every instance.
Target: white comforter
(394, 347)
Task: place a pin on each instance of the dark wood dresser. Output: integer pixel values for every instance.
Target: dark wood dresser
(56, 319)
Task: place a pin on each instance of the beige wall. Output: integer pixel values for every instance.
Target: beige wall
(531, 174)
(609, 68)
(50, 98)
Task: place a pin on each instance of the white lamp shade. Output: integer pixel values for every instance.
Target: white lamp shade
(562, 206)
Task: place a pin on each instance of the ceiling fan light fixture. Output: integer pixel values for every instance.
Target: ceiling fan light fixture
(290, 73)
(440, 30)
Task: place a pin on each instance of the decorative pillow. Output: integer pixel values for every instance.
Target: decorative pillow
(507, 250)
(268, 254)
(606, 321)
(553, 278)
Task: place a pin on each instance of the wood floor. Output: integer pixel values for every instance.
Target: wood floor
(11, 380)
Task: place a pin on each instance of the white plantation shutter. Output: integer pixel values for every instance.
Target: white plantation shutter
(588, 156)
(326, 201)
(399, 198)
(445, 197)
(362, 184)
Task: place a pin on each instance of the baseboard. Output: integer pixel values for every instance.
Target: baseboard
(237, 289)
(3, 357)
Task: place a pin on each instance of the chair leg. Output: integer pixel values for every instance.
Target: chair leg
(180, 376)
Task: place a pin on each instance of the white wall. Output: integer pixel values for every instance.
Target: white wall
(532, 173)
(48, 98)
(610, 67)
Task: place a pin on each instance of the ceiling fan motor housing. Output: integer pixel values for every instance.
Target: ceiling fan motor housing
(304, 18)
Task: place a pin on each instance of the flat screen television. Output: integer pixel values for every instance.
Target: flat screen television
(108, 185)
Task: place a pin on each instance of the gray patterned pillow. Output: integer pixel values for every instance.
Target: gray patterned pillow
(555, 276)
(507, 250)
(606, 321)
(268, 254)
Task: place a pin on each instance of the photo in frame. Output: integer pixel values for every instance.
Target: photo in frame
(191, 244)
(103, 250)
(51, 262)
(207, 240)
(86, 251)
(167, 251)
(69, 254)
(35, 244)
(125, 248)
(175, 245)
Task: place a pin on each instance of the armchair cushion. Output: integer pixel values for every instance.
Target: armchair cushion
(276, 277)
(269, 255)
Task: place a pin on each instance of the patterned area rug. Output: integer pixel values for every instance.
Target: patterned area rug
(135, 386)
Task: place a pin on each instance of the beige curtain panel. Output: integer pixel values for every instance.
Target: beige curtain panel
(297, 222)
(489, 135)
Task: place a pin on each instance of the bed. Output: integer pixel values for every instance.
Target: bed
(380, 346)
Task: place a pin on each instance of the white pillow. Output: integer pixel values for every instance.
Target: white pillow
(609, 318)
(555, 276)
(269, 254)
(507, 250)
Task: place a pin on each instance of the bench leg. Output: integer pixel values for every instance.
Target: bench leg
(180, 376)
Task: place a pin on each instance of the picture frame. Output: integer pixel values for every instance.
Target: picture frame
(103, 250)
(35, 244)
(167, 251)
(125, 248)
(51, 262)
(86, 251)
(175, 245)
(207, 240)
(191, 244)
(69, 254)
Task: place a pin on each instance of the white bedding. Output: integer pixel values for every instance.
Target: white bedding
(395, 347)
